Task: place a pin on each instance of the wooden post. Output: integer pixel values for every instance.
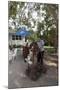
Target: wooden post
(33, 54)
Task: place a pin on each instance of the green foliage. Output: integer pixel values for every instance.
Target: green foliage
(12, 8)
(33, 36)
(50, 20)
(49, 49)
(37, 6)
(51, 36)
(21, 4)
(40, 26)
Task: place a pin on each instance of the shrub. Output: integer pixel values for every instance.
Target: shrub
(50, 49)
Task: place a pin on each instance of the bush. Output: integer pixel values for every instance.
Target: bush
(14, 46)
(50, 49)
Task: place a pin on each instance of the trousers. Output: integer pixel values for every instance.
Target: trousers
(40, 56)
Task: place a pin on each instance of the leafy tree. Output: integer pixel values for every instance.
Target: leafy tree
(51, 21)
(46, 19)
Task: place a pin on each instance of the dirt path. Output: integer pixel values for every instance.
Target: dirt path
(18, 79)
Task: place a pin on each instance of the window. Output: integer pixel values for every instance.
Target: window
(13, 37)
(19, 37)
(16, 37)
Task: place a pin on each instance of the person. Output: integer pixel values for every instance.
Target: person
(25, 51)
(40, 54)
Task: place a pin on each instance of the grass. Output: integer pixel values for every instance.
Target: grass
(48, 47)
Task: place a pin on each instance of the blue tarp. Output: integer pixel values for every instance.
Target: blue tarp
(22, 32)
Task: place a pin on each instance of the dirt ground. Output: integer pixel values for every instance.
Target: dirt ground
(18, 79)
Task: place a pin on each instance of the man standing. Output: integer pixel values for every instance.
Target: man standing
(40, 51)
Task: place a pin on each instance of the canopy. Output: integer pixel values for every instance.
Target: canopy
(22, 32)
